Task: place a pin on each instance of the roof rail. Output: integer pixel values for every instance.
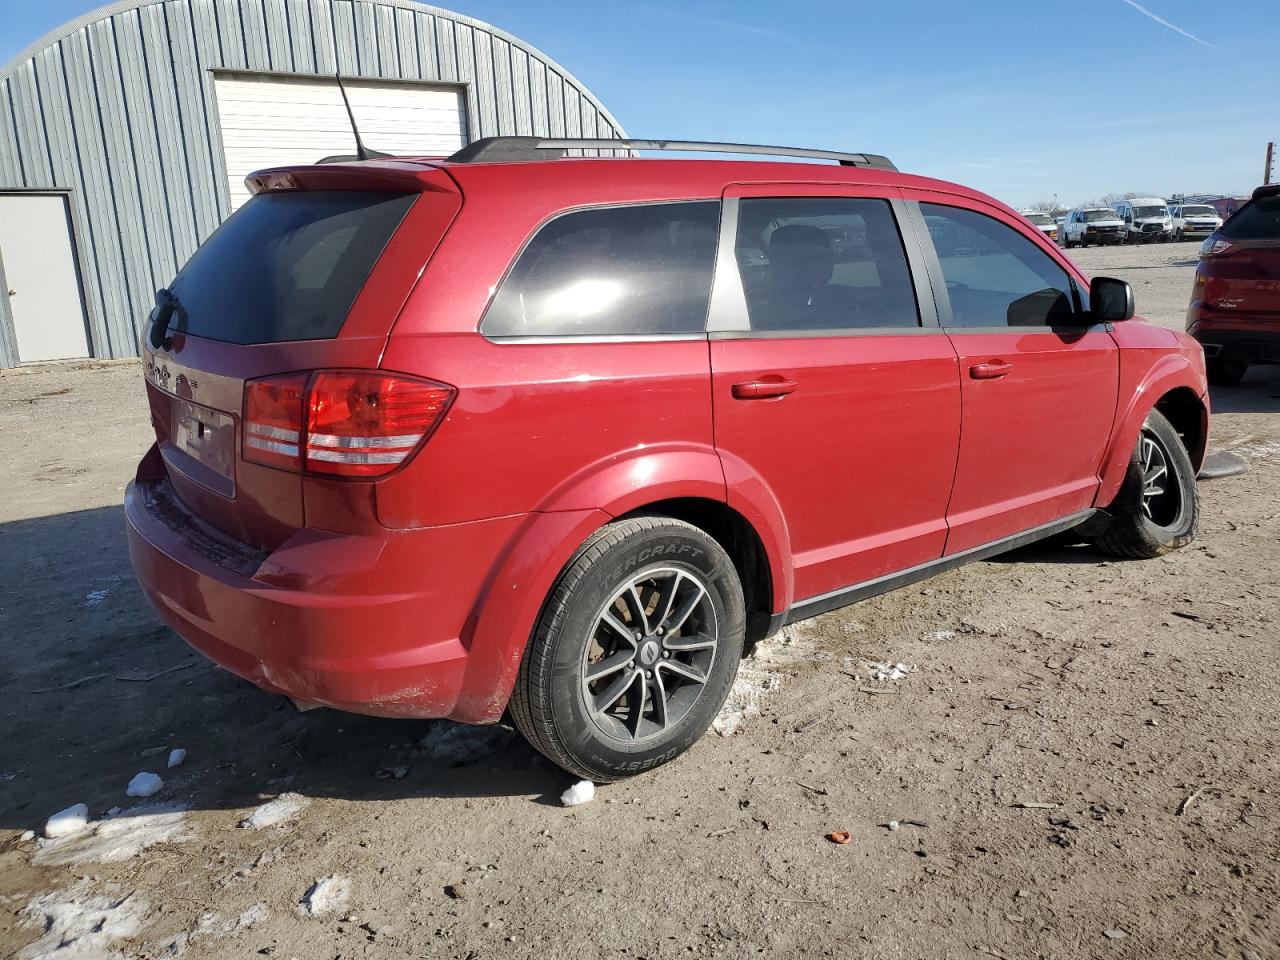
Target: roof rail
(514, 149)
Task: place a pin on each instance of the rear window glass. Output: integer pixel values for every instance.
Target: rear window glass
(631, 270)
(286, 266)
(1257, 220)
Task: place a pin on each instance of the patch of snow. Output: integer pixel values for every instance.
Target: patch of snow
(763, 673)
(584, 791)
(1256, 449)
(940, 636)
(888, 671)
(26, 836)
(327, 895)
(275, 811)
(80, 925)
(144, 785)
(458, 743)
(176, 756)
(117, 838)
(66, 822)
(95, 597)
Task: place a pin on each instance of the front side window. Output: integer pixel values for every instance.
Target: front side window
(614, 271)
(996, 276)
(823, 263)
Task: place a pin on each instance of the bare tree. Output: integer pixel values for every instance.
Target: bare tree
(1044, 206)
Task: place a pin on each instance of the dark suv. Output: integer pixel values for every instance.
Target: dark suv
(565, 436)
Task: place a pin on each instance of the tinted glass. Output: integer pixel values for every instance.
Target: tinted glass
(286, 266)
(1256, 220)
(823, 263)
(1197, 212)
(995, 276)
(617, 271)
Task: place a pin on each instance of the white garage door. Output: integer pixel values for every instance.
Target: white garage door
(271, 121)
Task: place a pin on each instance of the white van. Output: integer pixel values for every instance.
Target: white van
(1146, 220)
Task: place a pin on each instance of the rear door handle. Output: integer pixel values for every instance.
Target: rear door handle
(763, 388)
(990, 371)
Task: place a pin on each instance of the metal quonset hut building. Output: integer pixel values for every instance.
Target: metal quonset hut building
(125, 136)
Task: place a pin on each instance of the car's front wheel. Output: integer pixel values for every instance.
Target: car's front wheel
(635, 652)
(1158, 506)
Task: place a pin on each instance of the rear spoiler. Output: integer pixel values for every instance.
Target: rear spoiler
(1270, 190)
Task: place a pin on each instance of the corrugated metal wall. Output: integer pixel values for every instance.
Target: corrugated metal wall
(118, 108)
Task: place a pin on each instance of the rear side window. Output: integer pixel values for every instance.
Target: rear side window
(634, 270)
(1256, 220)
(823, 263)
(995, 276)
(286, 266)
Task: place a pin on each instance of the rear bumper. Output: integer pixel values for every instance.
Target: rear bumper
(1254, 339)
(367, 623)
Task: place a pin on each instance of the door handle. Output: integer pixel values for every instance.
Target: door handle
(990, 371)
(763, 389)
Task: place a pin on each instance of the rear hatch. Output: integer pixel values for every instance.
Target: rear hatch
(1243, 260)
(310, 274)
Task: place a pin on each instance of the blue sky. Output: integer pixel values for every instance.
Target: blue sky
(1024, 99)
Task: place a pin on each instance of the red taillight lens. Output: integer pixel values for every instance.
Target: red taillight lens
(367, 424)
(340, 423)
(273, 410)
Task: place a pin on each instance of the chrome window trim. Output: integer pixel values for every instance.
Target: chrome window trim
(824, 334)
(598, 338)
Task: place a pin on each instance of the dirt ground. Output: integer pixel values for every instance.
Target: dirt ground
(1131, 706)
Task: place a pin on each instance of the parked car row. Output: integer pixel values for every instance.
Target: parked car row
(1136, 220)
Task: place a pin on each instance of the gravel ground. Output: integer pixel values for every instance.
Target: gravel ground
(1082, 762)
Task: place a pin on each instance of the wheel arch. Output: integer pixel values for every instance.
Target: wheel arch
(741, 542)
(1170, 387)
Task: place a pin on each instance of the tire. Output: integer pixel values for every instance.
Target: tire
(1226, 371)
(1145, 527)
(555, 704)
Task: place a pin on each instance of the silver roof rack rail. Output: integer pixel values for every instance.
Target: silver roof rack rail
(515, 149)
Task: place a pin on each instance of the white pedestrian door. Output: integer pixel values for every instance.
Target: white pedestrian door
(41, 282)
(274, 121)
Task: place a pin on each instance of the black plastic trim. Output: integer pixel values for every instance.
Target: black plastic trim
(871, 588)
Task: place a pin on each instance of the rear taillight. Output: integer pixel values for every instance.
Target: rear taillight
(367, 424)
(1214, 247)
(340, 423)
(273, 420)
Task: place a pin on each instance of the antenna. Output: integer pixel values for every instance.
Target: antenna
(362, 152)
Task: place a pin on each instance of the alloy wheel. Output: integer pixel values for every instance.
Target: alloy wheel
(1161, 495)
(649, 654)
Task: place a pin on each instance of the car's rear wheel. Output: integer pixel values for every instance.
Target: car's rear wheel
(635, 651)
(1226, 371)
(1158, 506)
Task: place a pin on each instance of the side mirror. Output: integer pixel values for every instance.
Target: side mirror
(1111, 300)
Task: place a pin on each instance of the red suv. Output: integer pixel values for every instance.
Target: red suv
(1235, 305)
(565, 436)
